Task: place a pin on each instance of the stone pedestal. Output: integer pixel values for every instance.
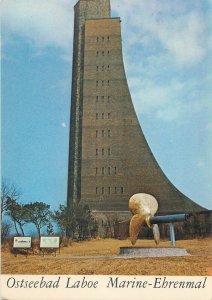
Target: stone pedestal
(139, 252)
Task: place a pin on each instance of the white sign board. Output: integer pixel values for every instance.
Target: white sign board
(22, 242)
(50, 242)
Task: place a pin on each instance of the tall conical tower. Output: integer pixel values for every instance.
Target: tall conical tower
(109, 157)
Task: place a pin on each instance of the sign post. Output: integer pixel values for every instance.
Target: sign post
(22, 243)
(49, 244)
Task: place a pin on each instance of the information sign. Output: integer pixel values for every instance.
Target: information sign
(22, 242)
(50, 242)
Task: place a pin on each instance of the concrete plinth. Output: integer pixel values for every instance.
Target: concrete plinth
(152, 252)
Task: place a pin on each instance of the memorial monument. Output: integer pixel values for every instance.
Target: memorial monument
(109, 157)
(143, 208)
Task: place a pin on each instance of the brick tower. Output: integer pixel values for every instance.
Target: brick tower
(109, 158)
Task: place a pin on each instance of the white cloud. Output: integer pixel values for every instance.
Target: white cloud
(160, 38)
(163, 41)
(63, 124)
(147, 97)
(167, 101)
(43, 22)
(182, 37)
(180, 29)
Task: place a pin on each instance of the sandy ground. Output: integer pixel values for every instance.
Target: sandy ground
(199, 263)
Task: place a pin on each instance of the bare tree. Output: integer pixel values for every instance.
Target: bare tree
(5, 231)
(8, 190)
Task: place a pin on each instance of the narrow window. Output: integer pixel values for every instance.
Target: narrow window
(96, 190)
(103, 190)
(115, 170)
(103, 115)
(103, 38)
(108, 115)
(103, 133)
(108, 170)
(108, 82)
(108, 98)
(103, 98)
(103, 171)
(122, 190)
(102, 82)
(108, 53)
(103, 68)
(109, 190)
(96, 171)
(97, 68)
(96, 152)
(108, 133)
(97, 39)
(108, 68)
(96, 133)
(103, 53)
(97, 98)
(103, 151)
(108, 151)
(97, 83)
(97, 53)
(97, 116)
(115, 190)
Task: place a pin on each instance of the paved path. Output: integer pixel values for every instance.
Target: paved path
(133, 253)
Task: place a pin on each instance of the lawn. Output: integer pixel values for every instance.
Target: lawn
(199, 263)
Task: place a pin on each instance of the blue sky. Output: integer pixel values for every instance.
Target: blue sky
(166, 46)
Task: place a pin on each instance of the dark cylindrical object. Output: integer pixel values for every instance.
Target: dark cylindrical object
(169, 218)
